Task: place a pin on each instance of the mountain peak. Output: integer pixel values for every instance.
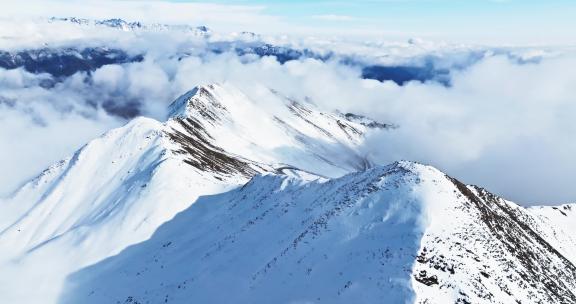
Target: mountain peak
(197, 99)
(322, 142)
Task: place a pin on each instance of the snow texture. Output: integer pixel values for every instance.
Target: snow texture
(235, 201)
(404, 233)
(117, 189)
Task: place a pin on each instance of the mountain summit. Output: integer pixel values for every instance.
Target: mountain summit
(117, 189)
(270, 199)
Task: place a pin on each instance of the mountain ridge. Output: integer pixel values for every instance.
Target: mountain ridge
(424, 220)
(118, 188)
(291, 174)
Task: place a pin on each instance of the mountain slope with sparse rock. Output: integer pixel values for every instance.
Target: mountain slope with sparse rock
(117, 189)
(404, 233)
(270, 199)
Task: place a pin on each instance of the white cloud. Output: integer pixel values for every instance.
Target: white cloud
(505, 126)
(27, 147)
(502, 126)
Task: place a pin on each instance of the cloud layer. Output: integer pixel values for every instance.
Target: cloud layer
(505, 122)
(503, 126)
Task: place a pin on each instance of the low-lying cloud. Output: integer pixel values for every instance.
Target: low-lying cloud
(503, 126)
(502, 123)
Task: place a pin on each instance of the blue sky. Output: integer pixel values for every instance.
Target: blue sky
(530, 20)
(434, 9)
(542, 22)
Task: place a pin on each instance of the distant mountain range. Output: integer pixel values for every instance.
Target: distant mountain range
(65, 61)
(133, 26)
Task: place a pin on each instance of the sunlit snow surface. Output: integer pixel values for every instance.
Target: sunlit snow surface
(259, 204)
(403, 233)
(119, 188)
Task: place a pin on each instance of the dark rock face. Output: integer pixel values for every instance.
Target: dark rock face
(403, 74)
(200, 153)
(282, 54)
(509, 231)
(64, 62)
(423, 278)
(368, 122)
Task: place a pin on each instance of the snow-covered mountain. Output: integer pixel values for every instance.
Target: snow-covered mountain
(269, 200)
(404, 233)
(119, 188)
(64, 62)
(121, 24)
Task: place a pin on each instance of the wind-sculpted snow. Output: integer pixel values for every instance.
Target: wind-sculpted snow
(404, 233)
(275, 240)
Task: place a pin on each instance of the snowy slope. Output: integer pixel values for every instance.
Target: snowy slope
(559, 227)
(275, 130)
(119, 188)
(277, 239)
(260, 196)
(489, 250)
(113, 192)
(404, 233)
